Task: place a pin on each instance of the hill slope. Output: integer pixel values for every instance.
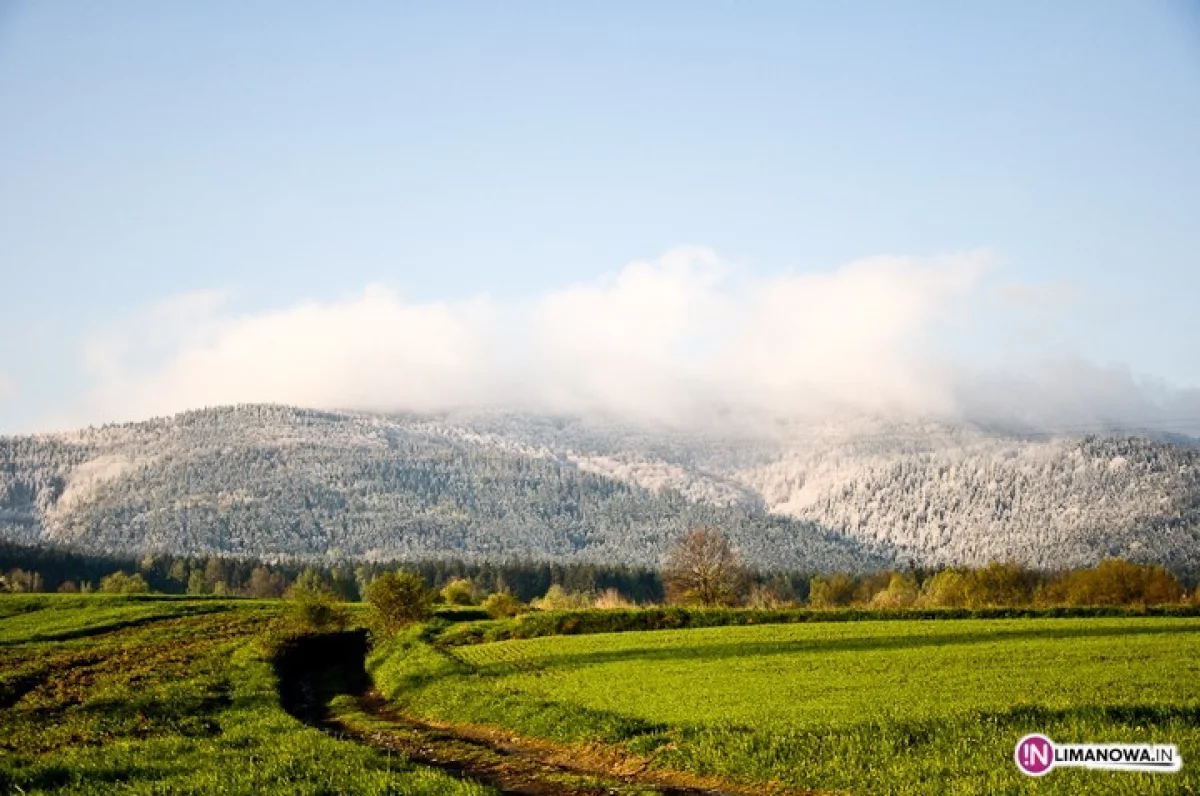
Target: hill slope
(277, 482)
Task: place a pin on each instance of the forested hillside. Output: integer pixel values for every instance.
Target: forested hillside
(971, 498)
(275, 482)
(282, 483)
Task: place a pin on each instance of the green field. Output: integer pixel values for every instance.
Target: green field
(103, 694)
(865, 707)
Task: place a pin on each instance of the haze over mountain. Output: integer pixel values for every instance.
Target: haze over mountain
(860, 493)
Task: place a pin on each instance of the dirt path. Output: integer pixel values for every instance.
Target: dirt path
(518, 765)
(319, 669)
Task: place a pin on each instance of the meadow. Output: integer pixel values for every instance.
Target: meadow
(142, 694)
(865, 707)
(103, 694)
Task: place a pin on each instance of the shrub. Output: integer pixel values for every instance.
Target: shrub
(901, 592)
(1000, 585)
(122, 583)
(867, 586)
(471, 613)
(502, 605)
(559, 599)
(612, 599)
(835, 589)
(459, 592)
(776, 592)
(314, 607)
(947, 589)
(399, 599)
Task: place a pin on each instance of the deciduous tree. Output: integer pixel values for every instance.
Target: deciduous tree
(703, 568)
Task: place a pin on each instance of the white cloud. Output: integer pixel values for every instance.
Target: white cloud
(636, 341)
(1069, 392)
(371, 351)
(857, 336)
(658, 339)
(666, 336)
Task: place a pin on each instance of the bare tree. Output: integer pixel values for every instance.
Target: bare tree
(703, 568)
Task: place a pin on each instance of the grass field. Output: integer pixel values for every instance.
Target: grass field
(864, 707)
(106, 694)
(103, 694)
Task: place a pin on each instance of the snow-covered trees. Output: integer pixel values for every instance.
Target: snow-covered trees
(286, 485)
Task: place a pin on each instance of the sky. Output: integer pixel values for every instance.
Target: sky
(955, 208)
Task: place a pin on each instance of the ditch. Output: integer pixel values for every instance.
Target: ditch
(324, 683)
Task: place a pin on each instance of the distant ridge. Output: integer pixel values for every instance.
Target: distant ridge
(287, 483)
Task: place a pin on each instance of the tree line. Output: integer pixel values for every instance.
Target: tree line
(702, 569)
(47, 568)
(705, 569)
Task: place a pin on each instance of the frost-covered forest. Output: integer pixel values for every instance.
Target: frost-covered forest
(281, 483)
(278, 483)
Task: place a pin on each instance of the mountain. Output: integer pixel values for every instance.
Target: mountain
(282, 483)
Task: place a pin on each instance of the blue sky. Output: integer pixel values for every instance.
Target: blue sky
(246, 161)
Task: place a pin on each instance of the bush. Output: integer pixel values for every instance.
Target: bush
(459, 592)
(502, 605)
(777, 592)
(612, 599)
(901, 592)
(835, 589)
(1000, 585)
(121, 583)
(559, 599)
(947, 589)
(314, 607)
(399, 599)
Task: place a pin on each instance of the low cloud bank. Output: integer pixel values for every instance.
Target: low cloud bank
(659, 340)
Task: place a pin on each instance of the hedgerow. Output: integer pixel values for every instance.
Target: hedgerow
(565, 623)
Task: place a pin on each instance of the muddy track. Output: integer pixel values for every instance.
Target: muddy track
(315, 669)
